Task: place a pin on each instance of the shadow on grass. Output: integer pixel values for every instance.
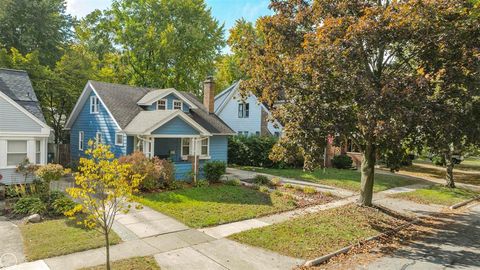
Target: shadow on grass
(439, 173)
(216, 194)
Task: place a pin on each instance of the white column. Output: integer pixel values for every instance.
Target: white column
(31, 151)
(3, 153)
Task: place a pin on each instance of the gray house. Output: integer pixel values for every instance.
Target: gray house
(23, 130)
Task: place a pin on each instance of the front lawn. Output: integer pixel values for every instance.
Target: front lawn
(137, 263)
(438, 195)
(321, 233)
(59, 237)
(427, 169)
(217, 204)
(346, 179)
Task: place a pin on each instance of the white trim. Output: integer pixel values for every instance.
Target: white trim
(270, 115)
(182, 156)
(81, 140)
(45, 127)
(208, 147)
(187, 119)
(164, 94)
(116, 139)
(227, 99)
(98, 137)
(94, 108)
(166, 104)
(23, 134)
(81, 101)
(173, 104)
(173, 136)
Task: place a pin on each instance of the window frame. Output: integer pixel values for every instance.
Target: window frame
(246, 110)
(240, 110)
(38, 152)
(182, 145)
(165, 104)
(116, 139)
(207, 141)
(178, 101)
(94, 105)
(98, 135)
(81, 140)
(16, 153)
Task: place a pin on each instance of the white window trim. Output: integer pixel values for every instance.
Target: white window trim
(185, 157)
(173, 104)
(98, 135)
(81, 140)
(164, 100)
(94, 105)
(116, 139)
(39, 153)
(207, 156)
(26, 153)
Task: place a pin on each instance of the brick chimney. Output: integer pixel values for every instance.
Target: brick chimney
(209, 94)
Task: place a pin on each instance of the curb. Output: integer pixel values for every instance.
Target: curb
(460, 204)
(344, 250)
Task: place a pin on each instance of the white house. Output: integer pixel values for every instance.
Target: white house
(245, 116)
(23, 130)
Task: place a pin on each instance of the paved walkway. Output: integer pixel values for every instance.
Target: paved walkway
(11, 244)
(455, 245)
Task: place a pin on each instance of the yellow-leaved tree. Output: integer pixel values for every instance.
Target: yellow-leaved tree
(104, 187)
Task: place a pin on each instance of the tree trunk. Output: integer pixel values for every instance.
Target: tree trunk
(368, 172)
(449, 176)
(107, 242)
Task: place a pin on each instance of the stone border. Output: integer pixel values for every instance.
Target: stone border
(325, 258)
(460, 204)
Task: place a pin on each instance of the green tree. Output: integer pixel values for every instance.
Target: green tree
(40, 25)
(344, 67)
(163, 43)
(227, 71)
(451, 67)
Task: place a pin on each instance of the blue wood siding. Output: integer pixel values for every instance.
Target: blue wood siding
(219, 148)
(170, 98)
(176, 126)
(90, 124)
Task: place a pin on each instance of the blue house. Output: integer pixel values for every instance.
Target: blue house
(245, 115)
(165, 123)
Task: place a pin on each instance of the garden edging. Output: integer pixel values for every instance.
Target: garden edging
(460, 204)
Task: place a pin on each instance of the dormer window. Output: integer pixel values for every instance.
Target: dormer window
(93, 104)
(177, 104)
(162, 104)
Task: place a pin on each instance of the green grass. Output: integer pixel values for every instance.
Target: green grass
(212, 205)
(346, 179)
(137, 263)
(59, 237)
(321, 233)
(438, 195)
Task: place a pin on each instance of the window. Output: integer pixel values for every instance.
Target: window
(119, 139)
(98, 138)
(162, 104)
(277, 134)
(93, 104)
(257, 133)
(38, 151)
(80, 140)
(185, 147)
(243, 110)
(177, 105)
(204, 149)
(16, 152)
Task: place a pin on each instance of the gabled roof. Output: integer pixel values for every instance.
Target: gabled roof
(17, 86)
(225, 95)
(122, 101)
(155, 95)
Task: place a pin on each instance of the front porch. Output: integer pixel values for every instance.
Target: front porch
(181, 150)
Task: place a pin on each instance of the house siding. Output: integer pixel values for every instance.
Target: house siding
(176, 126)
(90, 124)
(14, 120)
(130, 144)
(219, 148)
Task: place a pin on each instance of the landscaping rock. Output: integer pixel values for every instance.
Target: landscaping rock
(34, 218)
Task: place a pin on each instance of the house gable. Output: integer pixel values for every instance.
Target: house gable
(169, 99)
(176, 126)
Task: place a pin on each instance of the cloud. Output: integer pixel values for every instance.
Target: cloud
(80, 8)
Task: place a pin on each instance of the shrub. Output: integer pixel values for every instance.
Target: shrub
(261, 180)
(438, 160)
(342, 162)
(202, 183)
(29, 205)
(214, 170)
(263, 189)
(158, 173)
(298, 188)
(174, 185)
(275, 181)
(309, 190)
(50, 172)
(288, 185)
(255, 186)
(233, 182)
(277, 193)
(62, 205)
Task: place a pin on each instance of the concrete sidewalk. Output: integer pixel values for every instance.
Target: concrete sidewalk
(11, 247)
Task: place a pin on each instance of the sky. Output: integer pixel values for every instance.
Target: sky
(225, 11)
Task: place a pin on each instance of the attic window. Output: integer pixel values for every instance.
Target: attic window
(93, 104)
(162, 104)
(177, 105)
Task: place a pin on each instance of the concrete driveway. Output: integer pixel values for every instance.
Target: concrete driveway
(455, 245)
